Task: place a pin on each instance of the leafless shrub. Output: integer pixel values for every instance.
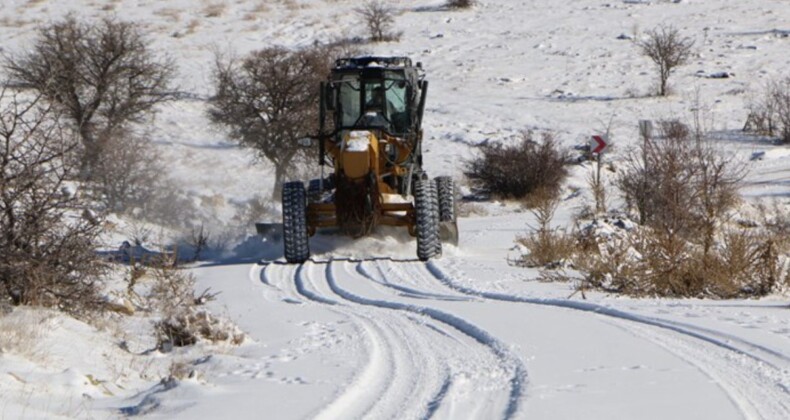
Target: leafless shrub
(668, 50)
(379, 18)
(180, 371)
(460, 4)
(269, 99)
(547, 245)
(685, 246)
(521, 169)
(612, 264)
(102, 75)
(46, 246)
(173, 288)
(678, 183)
(776, 222)
(649, 262)
(187, 328)
(748, 264)
(683, 191)
(770, 114)
(183, 323)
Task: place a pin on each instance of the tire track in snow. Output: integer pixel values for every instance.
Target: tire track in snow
(400, 371)
(753, 367)
(270, 275)
(507, 359)
(382, 278)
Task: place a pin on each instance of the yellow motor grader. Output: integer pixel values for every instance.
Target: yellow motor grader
(370, 137)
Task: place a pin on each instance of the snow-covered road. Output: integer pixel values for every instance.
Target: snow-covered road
(470, 337)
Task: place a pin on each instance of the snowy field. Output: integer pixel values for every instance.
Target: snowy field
(364, 330)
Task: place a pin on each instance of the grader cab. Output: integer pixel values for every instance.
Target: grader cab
(370, 138)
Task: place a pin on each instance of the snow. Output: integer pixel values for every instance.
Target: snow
(364, 330)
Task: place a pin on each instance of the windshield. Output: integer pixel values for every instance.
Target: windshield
(349, 101)
(381, 101)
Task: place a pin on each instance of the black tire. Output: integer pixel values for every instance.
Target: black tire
(445, 188)
(426, 206)
(295, 242)
(448, 213)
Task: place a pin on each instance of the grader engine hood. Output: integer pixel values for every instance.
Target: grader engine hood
(359, 153)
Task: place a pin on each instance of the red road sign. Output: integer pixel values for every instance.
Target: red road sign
(598, 144)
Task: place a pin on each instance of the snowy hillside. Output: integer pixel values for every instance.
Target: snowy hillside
(365, 330)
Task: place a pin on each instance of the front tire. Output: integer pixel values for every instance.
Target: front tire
(295, 238)
(426, 206)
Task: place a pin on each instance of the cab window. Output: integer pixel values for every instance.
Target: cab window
(349, 101)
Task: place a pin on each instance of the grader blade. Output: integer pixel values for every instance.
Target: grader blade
(271, 232)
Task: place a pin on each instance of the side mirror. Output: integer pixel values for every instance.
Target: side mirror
(305, 141)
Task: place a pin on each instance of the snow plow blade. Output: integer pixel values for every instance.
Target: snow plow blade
(270, 231)
(448, 232)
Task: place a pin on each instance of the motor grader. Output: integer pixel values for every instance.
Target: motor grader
(370, 139)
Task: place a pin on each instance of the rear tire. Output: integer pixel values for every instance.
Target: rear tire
(295, 238)
(426, 206)
(448, 214)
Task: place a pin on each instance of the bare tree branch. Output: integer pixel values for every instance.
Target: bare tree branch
(102, 76)
(46, 247)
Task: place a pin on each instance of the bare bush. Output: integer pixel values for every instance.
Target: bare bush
(46, 245)
(668, 50)
(770, 114)
(683, 191)
(678, 183)
(183, 322)
(612, 262)
(187, 328)
(652, 263)
(268, 100)
(102, 75)
(173, 288)
(379, 18)
(521, 169)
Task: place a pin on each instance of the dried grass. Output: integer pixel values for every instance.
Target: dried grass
(213, 10)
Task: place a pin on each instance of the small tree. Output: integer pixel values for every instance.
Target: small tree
(547, 245)
(102, 75)
(46, 245)
(268, 100)
(668, 50)
(379, 18)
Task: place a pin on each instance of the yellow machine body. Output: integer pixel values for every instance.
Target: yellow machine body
(360, 158)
